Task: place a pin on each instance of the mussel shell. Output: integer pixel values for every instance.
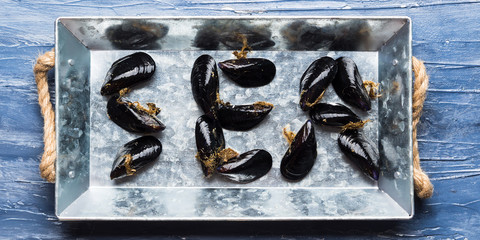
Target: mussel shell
(301, 155)
(360, 151)
(205, 84)
(142, 150)
(242, 117)
(128, 71)
(127, 116)
(249, 72)
(315, 80)
(256, 41)
(332, 114)
(136, 35)
(210, 141)
(247, 167)
(348, 84)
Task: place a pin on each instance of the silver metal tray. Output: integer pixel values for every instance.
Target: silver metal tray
(173, 188)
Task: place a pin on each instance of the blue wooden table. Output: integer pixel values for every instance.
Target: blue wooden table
(446, 35)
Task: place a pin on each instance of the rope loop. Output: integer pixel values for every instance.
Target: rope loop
(44, 63)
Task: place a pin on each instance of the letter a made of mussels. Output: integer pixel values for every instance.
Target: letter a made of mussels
(348, 84)
(128, 71)
(300, 156)
(360, 151)
(132, 116)
(210, 142)
(315, 81)
(336, 114)
(242, 117)
(204, 81)
(248, 72)
(247, 167)
(134, 155)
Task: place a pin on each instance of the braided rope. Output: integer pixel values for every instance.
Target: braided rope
(423, 186)
(44, 63)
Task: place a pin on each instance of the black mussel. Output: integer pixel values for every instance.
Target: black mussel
(242, 117)
(128, 71)
(134, 155)
(332, 114)
(255, 40)
(360, 151)
(300, 156)
(210, 142)
(315, 81)
(247, 167)
(249, 72)
(348, 84)
(204, 81)
(136, 35)
(133, 117)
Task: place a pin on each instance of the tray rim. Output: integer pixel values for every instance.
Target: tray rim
(235, 17)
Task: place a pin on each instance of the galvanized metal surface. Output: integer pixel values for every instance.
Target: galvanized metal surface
(335, 189)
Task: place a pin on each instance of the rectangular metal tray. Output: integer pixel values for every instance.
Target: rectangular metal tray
(173, 187)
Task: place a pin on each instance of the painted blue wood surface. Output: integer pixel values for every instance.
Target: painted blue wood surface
(446, 34)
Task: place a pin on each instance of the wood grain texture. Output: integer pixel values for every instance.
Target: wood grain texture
(446, 35)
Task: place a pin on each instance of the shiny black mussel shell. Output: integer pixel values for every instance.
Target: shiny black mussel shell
(204, 81)
(128, 71)
(249, 72)
(129, 117)
(332, 115)
(255, 40)
(134, 155)
(136, 35)
(210, 141)
(348, 84)
(360, 151)
(300, 156)
(247, 167)
(315, 81)
(242, 117)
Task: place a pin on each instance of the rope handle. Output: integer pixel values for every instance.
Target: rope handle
(44, 63)
(423, 186)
